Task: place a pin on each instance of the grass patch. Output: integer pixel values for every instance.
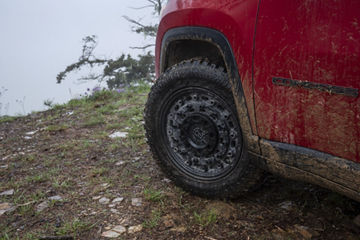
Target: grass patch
(99, 171)
(153, 195)
(154, 219)
(206, 218)
(93, 121)
(56, 128)
(4, 119)
(73, 228)
(40, 178)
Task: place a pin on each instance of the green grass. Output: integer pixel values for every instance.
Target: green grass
(4, 119)
(206, 218)
(154, 219)
(93, 121)
(73, 228)
(99, 171)
(39, 178)
(57, 128)
(153, 195)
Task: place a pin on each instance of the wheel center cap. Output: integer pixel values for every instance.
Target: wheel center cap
(199, 136)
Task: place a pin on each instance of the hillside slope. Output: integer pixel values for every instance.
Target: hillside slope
(83, 170)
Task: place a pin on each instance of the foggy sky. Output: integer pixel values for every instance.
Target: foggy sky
(39, 38)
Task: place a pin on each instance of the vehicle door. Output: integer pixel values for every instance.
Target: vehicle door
(307, 74)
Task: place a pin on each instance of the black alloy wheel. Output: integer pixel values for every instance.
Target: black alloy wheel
(193, 131)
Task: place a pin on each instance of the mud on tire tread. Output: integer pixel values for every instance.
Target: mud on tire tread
(243, 177)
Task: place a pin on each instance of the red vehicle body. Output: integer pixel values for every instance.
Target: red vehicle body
(294, 69)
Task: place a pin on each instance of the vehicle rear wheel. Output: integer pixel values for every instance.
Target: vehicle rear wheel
(194, 133)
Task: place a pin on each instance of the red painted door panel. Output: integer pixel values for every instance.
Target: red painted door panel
(315, 41)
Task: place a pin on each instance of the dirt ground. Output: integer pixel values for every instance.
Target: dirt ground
(63, 175)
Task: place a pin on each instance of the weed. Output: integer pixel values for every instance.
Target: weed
(153, 195)
(28, 158)
(99, 171)
(100, 135)
(61, 185)
(76, 103)
(37, 196)
(206, 218)
(25, 210)
(4, 119)
(113, 126)
(101, 96)
(113, 147)
(154, 219)
(31, 236)
(57, 128)
(107, 109)
(86, 144)
(43, 177)
(93, 121)
(74, 228)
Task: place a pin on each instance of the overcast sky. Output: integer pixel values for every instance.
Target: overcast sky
(39, 38)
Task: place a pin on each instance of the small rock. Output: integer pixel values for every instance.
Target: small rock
(113, 210)
(6, 157)
(120, 229)
(7, 193)
(27, 137)
(110, 234)
(168, 221)
(118, 135)
(55, 198)
(125, 222)
(136, 158)
(119, 163)
(134, 229)
(166, 180)
(6, 207)
(178, 229)
(104, 200)
(96, 197)
(42, 206)
(357, 220)
(70, 113)
(32, 132)
(306, 232)
(105, 185)
(287, 205)
(137, 202)
(118, 199)
(4, 166)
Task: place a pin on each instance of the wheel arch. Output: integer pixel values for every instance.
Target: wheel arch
(183, 43)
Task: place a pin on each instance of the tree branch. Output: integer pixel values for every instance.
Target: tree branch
(144, 47)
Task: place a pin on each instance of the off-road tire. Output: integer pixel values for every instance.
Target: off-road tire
(194, 134)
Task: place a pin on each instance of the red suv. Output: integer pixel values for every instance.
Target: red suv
(251, 85)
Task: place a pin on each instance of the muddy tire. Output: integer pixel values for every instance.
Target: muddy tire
(193, 131)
